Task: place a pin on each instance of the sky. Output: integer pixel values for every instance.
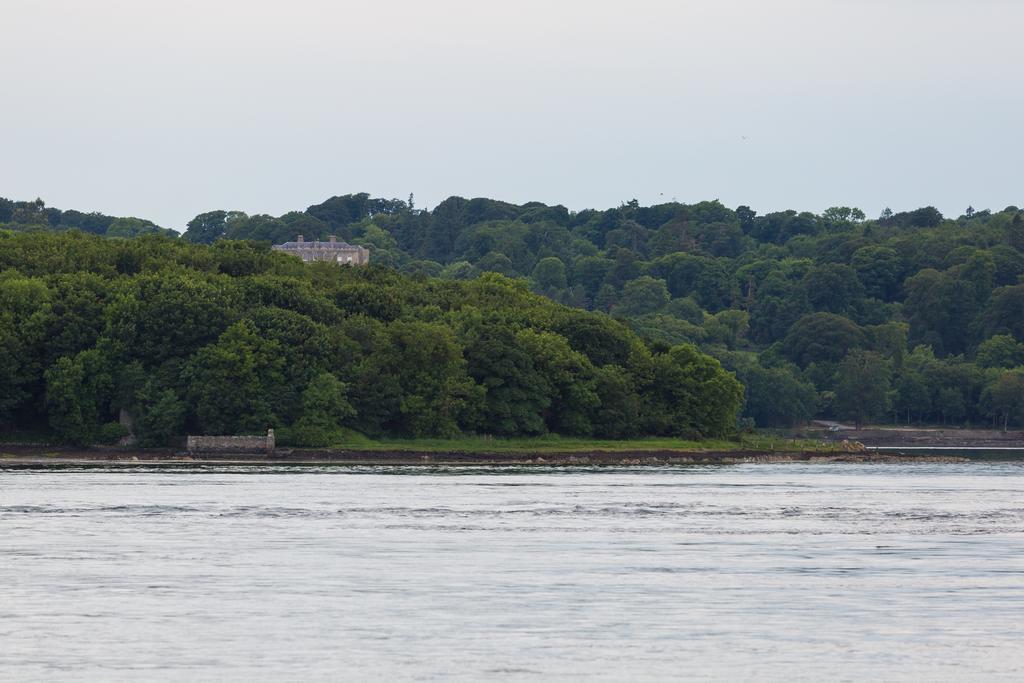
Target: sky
(164, 109)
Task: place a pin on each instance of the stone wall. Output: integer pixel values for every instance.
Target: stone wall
(231, 444)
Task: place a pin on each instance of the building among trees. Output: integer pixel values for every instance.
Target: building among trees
(332, 251)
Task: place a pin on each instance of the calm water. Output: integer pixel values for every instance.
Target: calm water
(767, 572)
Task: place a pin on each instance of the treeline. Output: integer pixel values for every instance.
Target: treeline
(798, 305)
(234, 338)
(35, 216)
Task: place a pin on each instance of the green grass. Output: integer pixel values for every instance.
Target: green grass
(554, 443)
(762, 441)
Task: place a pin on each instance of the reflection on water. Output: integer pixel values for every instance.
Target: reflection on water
(848, 572)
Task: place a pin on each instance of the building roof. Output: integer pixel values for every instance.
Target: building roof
(316, 244)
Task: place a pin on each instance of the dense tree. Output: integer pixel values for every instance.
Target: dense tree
(643, 295)
(688, 394)
(207, 227)
(158, 414)
(1005, 312)
(570, 380)
(325, 408)
(777, 397)
(737, 283)
(879, 271)
(549, 274)
(1005, 397)
(862, 389)
(157, 317)
(26, 315)
(78, 395)
(426, 363)
(1000, 351)
(834, 288)
(822, 337)
(728, 328)
(251, 366)
(601, 340)
(940, 309)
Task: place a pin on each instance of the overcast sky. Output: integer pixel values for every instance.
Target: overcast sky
(166, 108)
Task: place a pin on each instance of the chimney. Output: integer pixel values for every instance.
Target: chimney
(299, 239)
(333, 239)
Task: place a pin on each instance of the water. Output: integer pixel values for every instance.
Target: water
(754, 572)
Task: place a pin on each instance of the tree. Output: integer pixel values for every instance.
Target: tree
(833, 287)
(26, 315)
(549, 274)
(423, 268)
(494, 262)
(727, 327)
(157, 311)
(822, 337)
(251, 366)
(950, 403)
(460, 270)
(1006, 397)
(164, 315)
(708, 280)
(1003, 313)
(940, 310)
(912, 394)
(78, 395)
(158, 415)
(617, 414)
(862, 389)
(777, 397)
(516, 393)
(1015, 233)
(605, 299)
(1000, 351)
(602, 340)
(78, 303)
(688, 394)
(590, 271)
(570, 378)
(841, 216)
(890, 340)
(325, 407)
(643, 295)
(925, 217)
(879, 271)
(436, 394)
(133, 227)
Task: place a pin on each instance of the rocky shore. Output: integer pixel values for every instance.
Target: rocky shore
(915, 437)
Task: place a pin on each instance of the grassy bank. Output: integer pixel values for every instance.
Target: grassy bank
(357, 446)
(558, 444)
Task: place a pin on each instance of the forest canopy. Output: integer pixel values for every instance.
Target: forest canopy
(234, 338)
(798, 305)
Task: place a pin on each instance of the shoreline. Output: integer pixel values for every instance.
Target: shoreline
(28, 456)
